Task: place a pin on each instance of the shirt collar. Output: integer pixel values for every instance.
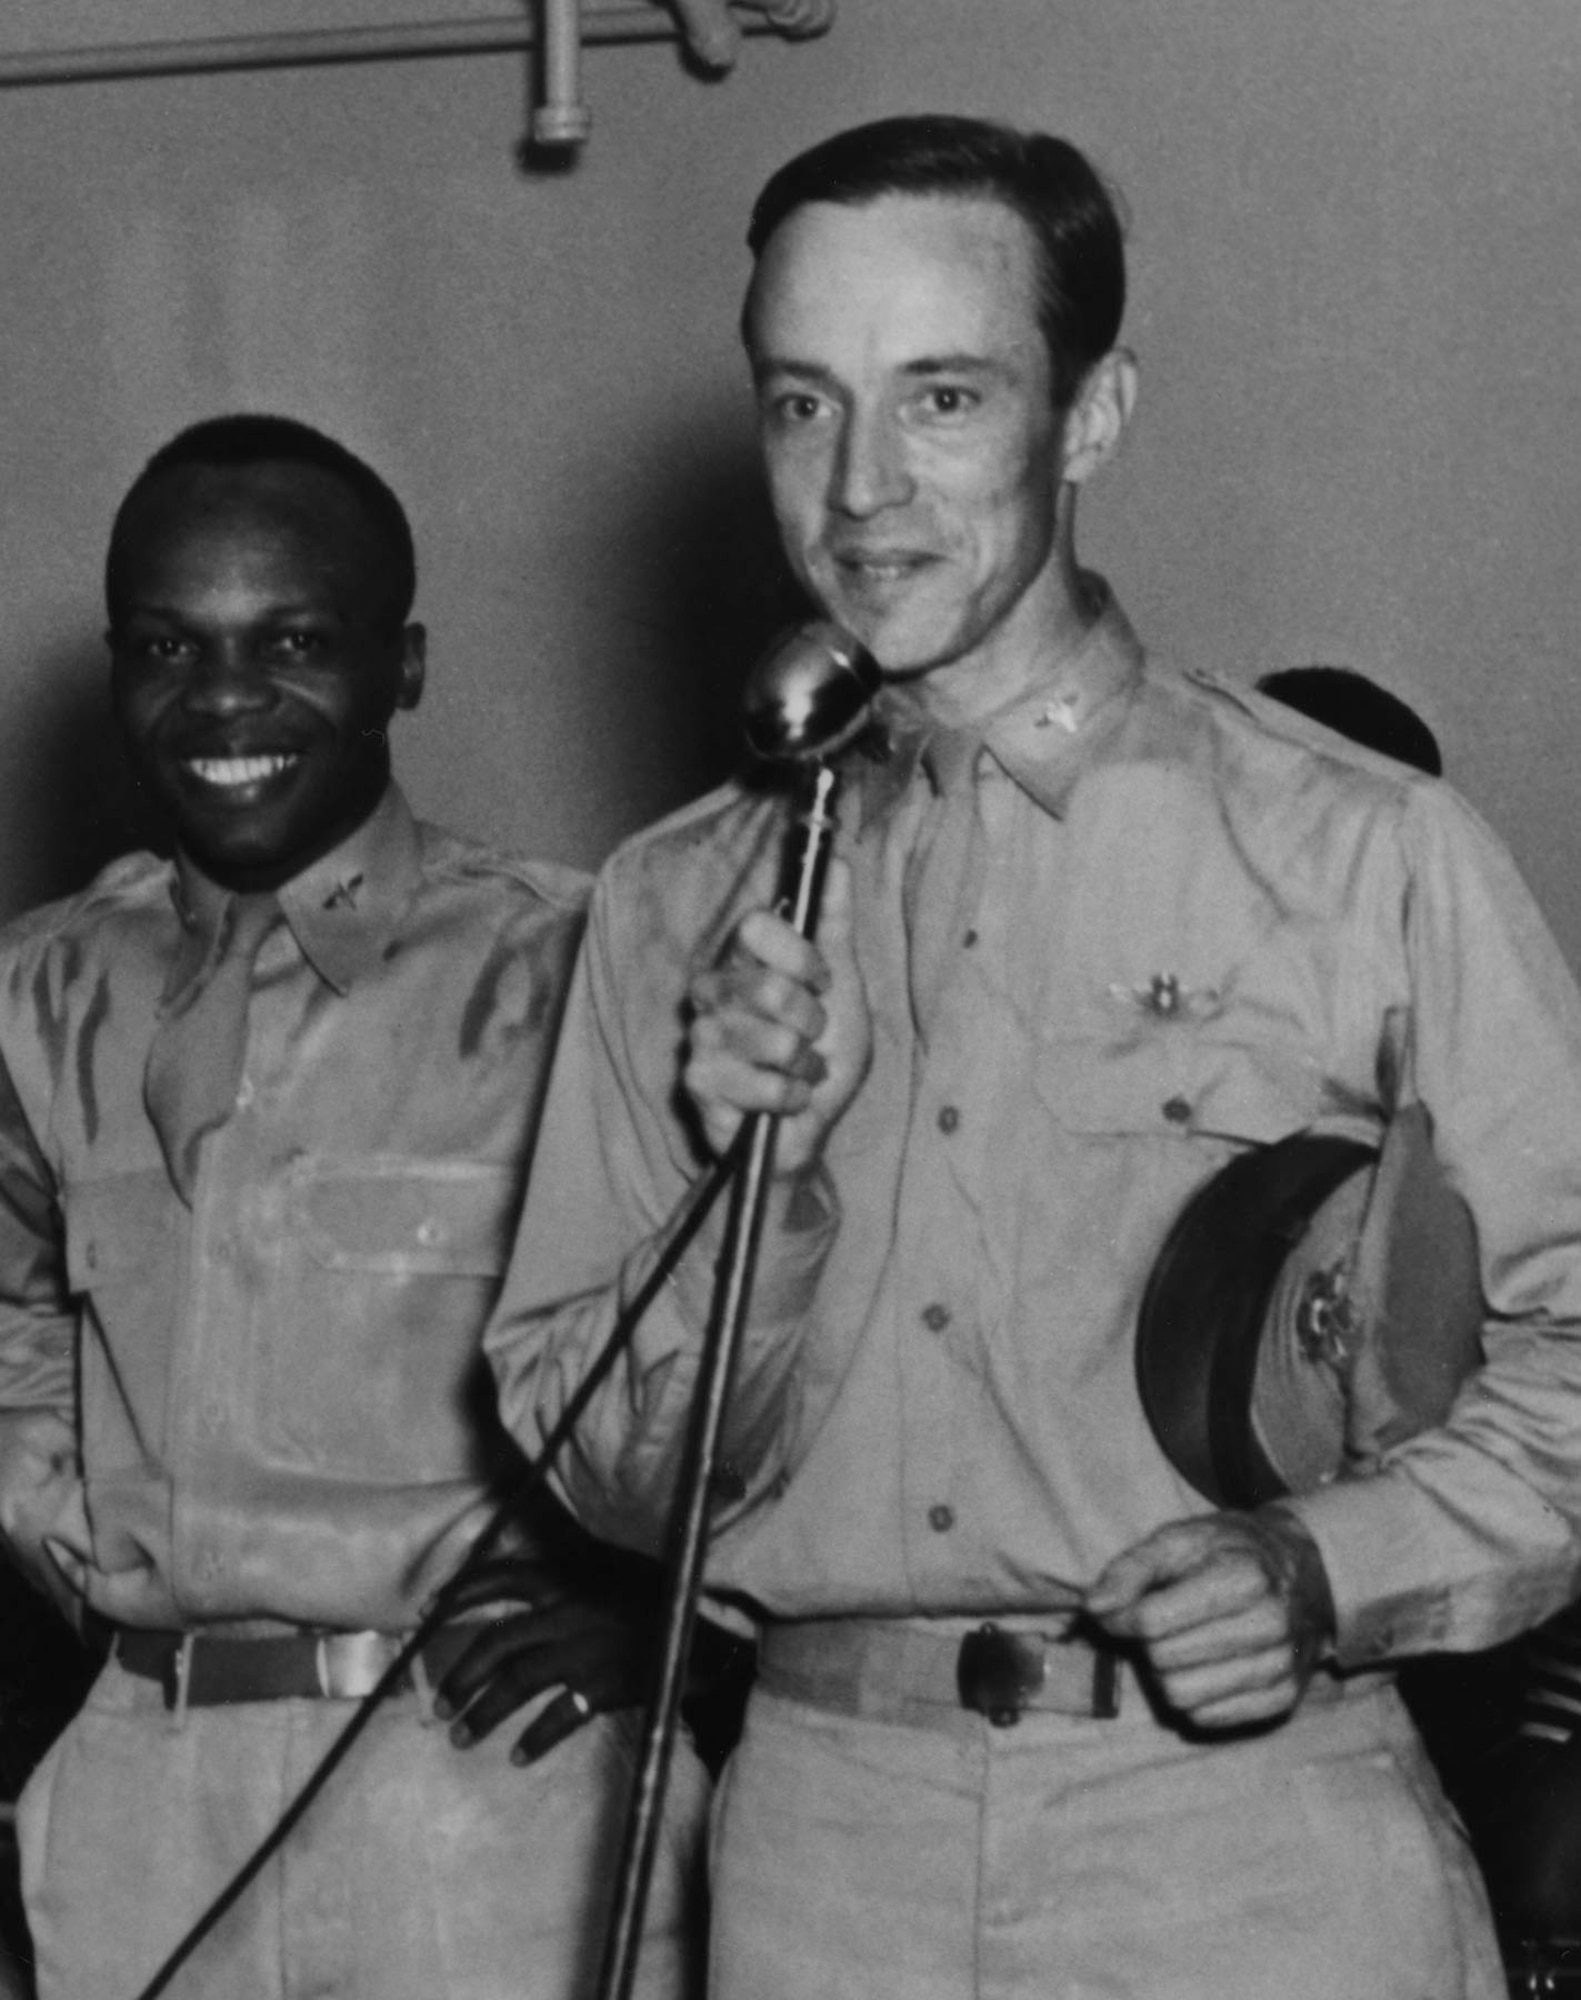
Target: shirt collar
(343, 911)
(1042, 740)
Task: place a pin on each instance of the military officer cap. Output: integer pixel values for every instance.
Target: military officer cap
(1316, 1302)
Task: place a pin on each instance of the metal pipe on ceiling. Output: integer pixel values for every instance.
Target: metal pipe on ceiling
(598, 21)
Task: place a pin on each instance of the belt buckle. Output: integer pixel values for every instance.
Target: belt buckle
(176, 1680)
(350, 1665)
(997, 1673)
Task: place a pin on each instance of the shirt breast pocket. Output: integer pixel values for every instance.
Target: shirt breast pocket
(1132, 1133)
(380, 1371)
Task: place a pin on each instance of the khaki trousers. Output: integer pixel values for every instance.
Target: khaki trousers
(421, 1873)
(1066, 1859)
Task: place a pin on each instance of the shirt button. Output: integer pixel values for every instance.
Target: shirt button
(1163, 993)
(941, 1519)
(970, 939)
(1178, 1110)
(727, 1483)
(949, 1118)
(935, 1317)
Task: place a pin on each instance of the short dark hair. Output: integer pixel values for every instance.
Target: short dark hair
(247, 439)
(1073, 216)
(1357, 707)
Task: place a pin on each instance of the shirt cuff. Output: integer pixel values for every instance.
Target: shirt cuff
(1375, 1536)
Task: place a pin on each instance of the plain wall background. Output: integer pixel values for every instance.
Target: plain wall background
(1355, 295)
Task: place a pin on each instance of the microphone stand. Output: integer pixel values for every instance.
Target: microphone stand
(807, 864)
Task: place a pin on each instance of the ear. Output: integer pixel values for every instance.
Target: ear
(1097, 418)
(414, 666)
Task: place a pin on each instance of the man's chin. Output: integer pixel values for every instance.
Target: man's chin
(904, 638)
(900, 653)
(239, 865)
(259, 850)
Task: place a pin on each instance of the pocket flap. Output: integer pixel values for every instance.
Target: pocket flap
(1179, 1083)
(450, 1216)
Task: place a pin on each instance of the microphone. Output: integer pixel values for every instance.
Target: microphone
(809, 694)
(806, 698)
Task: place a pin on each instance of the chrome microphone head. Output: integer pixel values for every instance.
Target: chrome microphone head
(809, 694)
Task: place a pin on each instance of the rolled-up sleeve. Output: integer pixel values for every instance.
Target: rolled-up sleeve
(1472, 1530)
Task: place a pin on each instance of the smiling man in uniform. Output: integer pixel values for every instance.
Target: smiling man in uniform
(1030, 1720)
(266, 1113)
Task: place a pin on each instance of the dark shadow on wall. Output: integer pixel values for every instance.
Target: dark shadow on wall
(710, 577)
(67, 801)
